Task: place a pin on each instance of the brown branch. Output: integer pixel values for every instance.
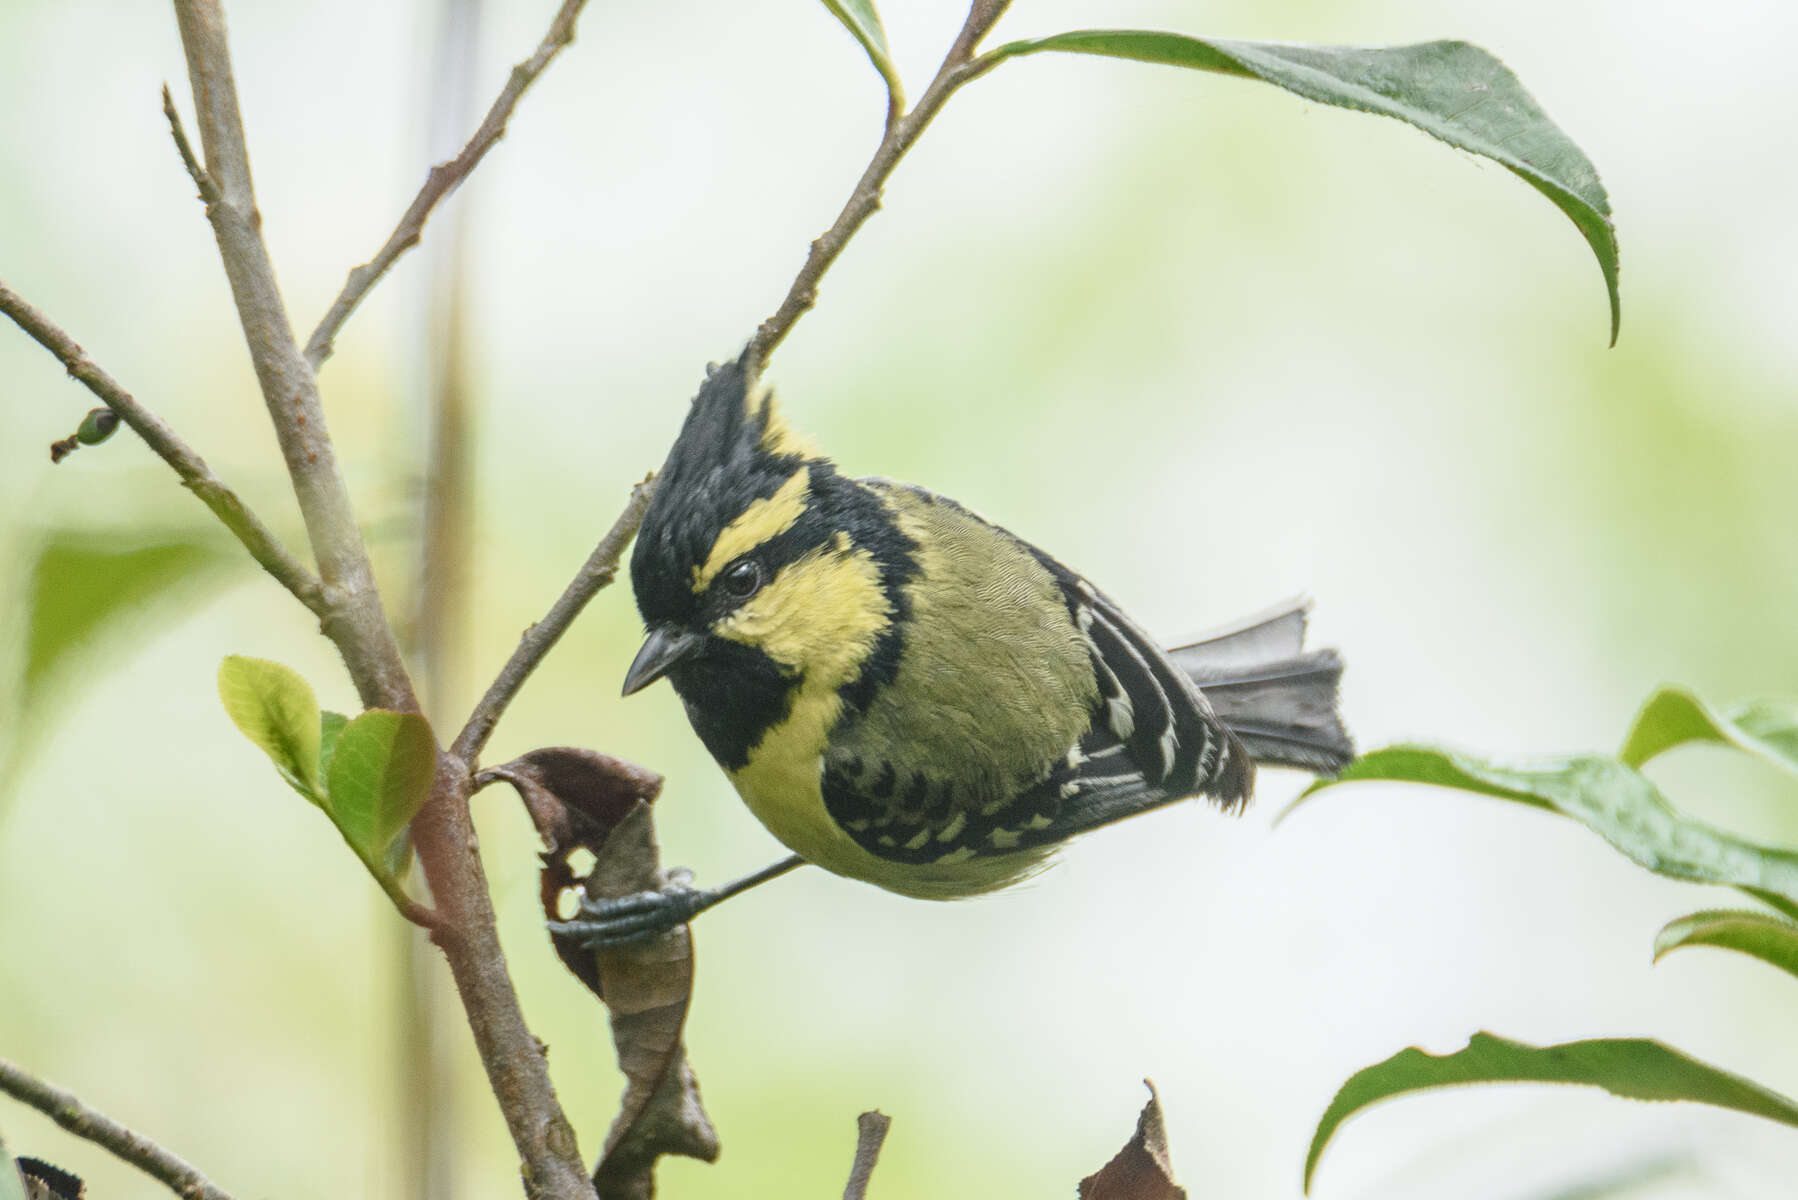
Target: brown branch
(443, 831)
(959, 67)
(600, 569)
(871, 1134)
(195, 475)
(179, 1176)
(443, 179)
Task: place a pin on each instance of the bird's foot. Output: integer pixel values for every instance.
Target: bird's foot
(638, 917)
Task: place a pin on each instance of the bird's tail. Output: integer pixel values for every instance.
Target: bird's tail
(1278, 698)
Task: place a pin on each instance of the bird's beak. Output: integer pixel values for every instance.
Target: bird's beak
(664, 647)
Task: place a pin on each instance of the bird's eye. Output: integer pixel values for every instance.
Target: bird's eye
(742, 579)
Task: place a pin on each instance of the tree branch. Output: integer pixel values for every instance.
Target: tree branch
(871, 1133)
(443, 179)
(195, 475)
(443, 831)
(600, 569)
(959, 67)
(181, 1177)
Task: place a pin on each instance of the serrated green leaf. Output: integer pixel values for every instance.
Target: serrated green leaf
(276, 709)
(862, 21)
(1634, 1068)
(1615, 802)
(1773, 940)
(380, 775)
(1454, 91)
(1673, 717)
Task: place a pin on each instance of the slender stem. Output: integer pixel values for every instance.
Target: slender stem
(355, 621)
(178, 1175)
(427, 1102)
(959, 67)
(443, 831)
(209, 191)
(195, 475)
(442, 180)
(599, 570)
(871, 1133)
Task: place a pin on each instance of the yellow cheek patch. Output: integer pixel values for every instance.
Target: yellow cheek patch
(820, 615)
(762, 520)
(778, 437)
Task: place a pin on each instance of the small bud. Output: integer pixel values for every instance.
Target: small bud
(97, 426)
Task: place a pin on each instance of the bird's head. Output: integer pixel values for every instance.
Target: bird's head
(760, 568)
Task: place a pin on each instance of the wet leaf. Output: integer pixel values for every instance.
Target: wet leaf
(1674, 717)
(1142, 1169)
(275, 708)
(381, 772)
(1453, 91)
(1773, 940)
(1634, 1068)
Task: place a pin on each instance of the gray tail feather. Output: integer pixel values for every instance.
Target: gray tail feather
(1276, 697)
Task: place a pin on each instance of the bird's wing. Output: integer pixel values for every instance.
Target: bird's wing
(1153, 736)
(1151, 739)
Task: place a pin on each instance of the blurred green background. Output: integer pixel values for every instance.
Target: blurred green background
(1210, 344)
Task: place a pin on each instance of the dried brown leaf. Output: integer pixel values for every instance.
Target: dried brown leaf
(1142, 1169)
(583, 800)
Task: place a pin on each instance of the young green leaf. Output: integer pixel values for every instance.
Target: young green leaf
(1607, 797)
(380, 774)
(275, 708)
(1773, 940)
(1673, 716)
(863, 22)
(1453, 91)
(1634, 1068)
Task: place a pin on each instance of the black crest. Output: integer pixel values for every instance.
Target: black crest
(727, 455)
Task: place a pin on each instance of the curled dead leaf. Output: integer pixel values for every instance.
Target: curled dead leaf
(584, 801)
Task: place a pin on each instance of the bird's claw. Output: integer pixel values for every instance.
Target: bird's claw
(638, 917)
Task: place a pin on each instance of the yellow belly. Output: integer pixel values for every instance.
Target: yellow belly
(782, 785)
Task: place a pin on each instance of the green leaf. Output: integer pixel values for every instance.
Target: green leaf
(1773, 940)
(861, 19)
(1634, 1068)
(380, 774)
(275, 708)
(1453, 91)
(83, 594)
(330, 728)
(1673, 716)
(1607, 797)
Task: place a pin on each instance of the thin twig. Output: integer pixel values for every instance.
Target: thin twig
(599, 570)
(959, 67)
(443, 831)
(871, 1133)
(180, 1177)
(209, 191)
(195, 475)
(443, 179)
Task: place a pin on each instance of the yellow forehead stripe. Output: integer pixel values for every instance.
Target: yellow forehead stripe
(777, 436)
(821, 614)
(763, 519)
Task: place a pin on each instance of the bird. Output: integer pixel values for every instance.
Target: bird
(907, 694)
